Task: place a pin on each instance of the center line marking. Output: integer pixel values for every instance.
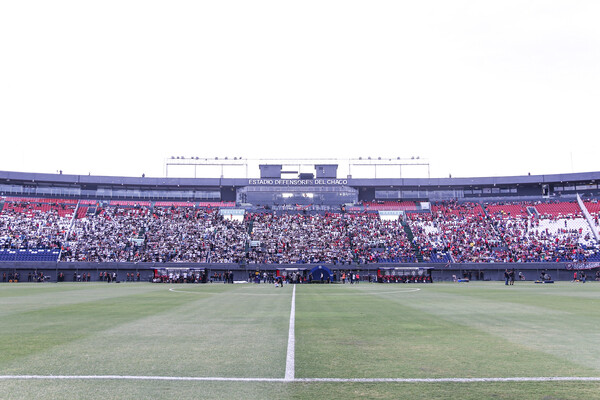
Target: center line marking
(289, 359)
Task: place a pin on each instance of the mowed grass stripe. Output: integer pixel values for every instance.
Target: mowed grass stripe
(226, 335)
(387, 335)
(207, 331)
(23, 297)
(126, 389)
(153, 326)
(50, 324)
(562, 326)
(561, 296)
(292, 380)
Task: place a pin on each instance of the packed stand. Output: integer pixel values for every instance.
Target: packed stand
(161, 234)
(451, 232)
(512, 232)
(430, 243)
(468, 234)
(376, 240)
(326, 238)
(31, 225)
(298, 238)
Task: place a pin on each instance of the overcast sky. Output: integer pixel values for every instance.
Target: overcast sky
(477, 88)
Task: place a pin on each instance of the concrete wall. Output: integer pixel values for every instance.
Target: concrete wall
(478, 271)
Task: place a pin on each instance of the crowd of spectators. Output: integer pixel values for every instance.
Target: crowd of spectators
(162, 234)
(28, 225)
(336, 238)
(471, 232)
(458, 232)
(298, 238)
(450, 232)
(431, 246)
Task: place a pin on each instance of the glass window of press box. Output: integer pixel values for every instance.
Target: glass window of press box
(333, 195)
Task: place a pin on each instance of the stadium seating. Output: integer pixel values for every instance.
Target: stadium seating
(389, 205)
(559, 209)
(174, 204)
(593, 208)
(33, 229)
(37, 229)
(507, 210)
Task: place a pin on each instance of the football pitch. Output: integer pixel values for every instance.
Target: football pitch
(245, 341)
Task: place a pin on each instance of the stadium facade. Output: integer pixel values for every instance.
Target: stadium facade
(321, 191)
(325, 186)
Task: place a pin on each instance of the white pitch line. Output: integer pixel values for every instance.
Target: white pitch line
(291, 348)
(454, 380)
(140, 378)
(304, 380)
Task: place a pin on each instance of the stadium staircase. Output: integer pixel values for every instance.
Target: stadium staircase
(247, 247)
(410, 235)
(68, 232)
(504, 246)
(1, 205)
(587, 217)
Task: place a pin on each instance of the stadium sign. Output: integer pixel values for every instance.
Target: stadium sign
(297, 182)
(582, 265)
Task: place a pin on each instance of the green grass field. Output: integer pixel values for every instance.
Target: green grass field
(115, 341)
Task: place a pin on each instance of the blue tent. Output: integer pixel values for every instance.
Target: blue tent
(321, 273)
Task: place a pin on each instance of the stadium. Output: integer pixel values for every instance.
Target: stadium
(446, 228)
(441, 243)
(299, 285)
